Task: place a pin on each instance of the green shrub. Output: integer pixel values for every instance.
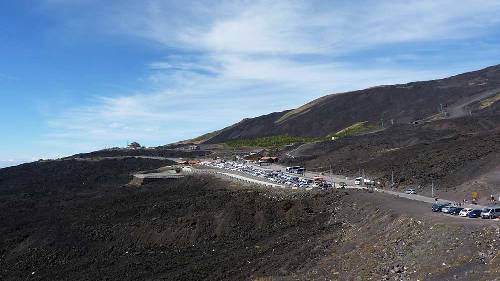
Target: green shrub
(269, 142)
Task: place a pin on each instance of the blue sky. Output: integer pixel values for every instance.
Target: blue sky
(81, 75)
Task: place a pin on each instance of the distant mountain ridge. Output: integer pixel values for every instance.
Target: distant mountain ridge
(476, 92)
(9, 163)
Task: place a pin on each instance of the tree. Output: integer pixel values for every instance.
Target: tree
(134, 145)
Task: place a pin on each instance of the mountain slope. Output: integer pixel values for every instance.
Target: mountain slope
(474, 92)
(81, 227)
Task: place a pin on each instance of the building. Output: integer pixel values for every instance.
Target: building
(268, 159)
(252, 157)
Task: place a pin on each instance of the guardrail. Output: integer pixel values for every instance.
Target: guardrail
(237, 177)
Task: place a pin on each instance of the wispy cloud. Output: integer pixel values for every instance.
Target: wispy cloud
(6, 77)
(291, 27)
(232, 59)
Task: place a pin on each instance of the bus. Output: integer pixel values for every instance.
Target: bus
(295, 170)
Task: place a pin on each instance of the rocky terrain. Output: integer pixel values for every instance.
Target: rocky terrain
(154, 152)
(474, 93)
(77, 220)
(458, 155)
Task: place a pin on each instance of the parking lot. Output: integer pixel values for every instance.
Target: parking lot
(454, 209)
(292, 178)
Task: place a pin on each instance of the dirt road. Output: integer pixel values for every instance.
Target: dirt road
(460, 108)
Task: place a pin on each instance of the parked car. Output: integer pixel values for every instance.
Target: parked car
(326, 185)
(476, 213)
(357, 181)
(455, 210)
(411, 191)
(438, 207)
(309, 181)
(446, 209)
(490, 212)
(369, 182)
(465, 212)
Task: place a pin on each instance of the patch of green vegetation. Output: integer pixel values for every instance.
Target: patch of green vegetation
(301, 110)
(489, 101)
(269, 142)
(354, 129)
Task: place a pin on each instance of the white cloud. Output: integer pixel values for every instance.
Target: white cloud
(230, 60)
(295, 27)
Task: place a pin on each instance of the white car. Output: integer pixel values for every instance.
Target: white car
(411, 191)
(368, 182)
(465, 212)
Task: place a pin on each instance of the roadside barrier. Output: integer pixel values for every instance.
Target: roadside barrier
(237, 177)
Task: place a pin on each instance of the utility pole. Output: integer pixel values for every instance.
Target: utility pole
(432, 189)
(331, 175)
(392, 178)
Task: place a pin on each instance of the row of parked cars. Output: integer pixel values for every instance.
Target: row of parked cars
(291, 177)
(486, 213)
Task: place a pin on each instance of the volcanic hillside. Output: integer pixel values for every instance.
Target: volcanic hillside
(78, 220)
(475, 92)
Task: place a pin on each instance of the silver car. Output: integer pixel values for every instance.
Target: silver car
(491, 212)
(446, 209)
